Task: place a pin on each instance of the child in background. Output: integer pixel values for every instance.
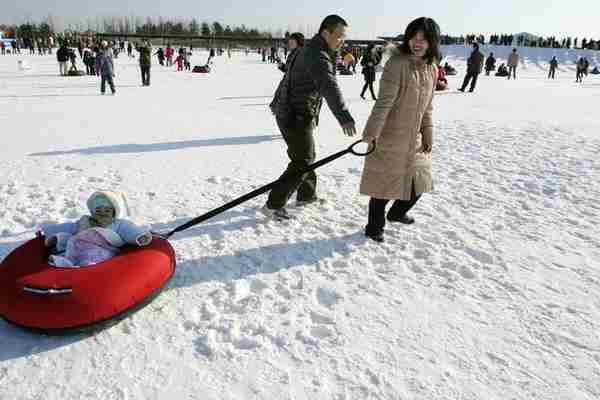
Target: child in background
(179, 61)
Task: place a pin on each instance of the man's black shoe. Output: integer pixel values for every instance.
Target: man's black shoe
(404, 219)
(376, 236)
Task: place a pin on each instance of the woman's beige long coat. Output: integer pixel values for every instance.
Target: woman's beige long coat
(401, 115)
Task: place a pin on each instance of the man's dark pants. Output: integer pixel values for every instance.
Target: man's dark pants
(104, 80)
(145, 75)
(471, 76)
(299, 137)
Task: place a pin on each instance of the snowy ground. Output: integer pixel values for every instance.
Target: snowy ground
(493, 294)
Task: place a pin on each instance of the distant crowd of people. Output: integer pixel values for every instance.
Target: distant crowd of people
(97, 58)
(477, 63)
(44, 45)
(531, 41)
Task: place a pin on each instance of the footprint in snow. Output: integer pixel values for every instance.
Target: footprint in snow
(422, 254)
(321, 331)
(497, 360)
(466, 272)
(340, 264)
(380, 260)
(327, 297)
(416, 269)
(480, 255)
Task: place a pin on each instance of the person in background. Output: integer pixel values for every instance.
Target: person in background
(179, 61)
(369, 62)
(490, 64)
(160, 53)
(350, 61)
(580, 67)
(145, 53)
(513, 63)
(105, 68)
(474, 68)
(442, 82)
(295, 42)
(553, 66)
(169, 52)
(62, 56)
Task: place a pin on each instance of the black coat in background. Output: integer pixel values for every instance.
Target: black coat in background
(369, 62)
(490, 64)
(62, 55)
(475, 62)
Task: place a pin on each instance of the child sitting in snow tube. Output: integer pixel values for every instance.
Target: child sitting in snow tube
(97, 237)
(502, 71)
(75, 72)
(449, 70)
(203, 69)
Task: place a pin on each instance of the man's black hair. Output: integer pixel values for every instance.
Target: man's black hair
(298, 37)
(331, 22)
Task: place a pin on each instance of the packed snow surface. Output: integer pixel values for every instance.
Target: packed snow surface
(494, 293)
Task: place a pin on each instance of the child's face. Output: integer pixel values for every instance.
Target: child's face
(104, 215)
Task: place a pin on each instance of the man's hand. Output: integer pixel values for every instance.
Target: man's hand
(349, 129)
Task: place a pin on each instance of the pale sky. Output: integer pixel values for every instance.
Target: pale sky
(367, 19)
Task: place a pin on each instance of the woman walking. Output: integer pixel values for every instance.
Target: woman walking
(369, 61)
(401, 123)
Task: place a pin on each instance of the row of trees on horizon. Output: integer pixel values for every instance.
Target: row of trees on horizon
(53, 26)
(134, 25)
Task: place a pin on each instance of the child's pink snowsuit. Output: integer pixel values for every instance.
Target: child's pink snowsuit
(89, 247)
(179, 61)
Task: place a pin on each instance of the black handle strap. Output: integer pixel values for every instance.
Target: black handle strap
(267, 187)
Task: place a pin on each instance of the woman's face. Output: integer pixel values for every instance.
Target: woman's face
(292, 44)
(418, 44)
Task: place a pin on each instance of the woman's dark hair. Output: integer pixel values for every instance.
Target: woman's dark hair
(475, 46)
(298, 37)
(431, 30)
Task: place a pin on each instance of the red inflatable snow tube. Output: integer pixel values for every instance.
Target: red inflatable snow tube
(40, 297)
